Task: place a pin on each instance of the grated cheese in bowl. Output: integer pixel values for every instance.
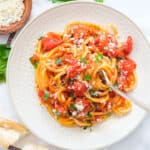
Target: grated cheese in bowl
(11, 11)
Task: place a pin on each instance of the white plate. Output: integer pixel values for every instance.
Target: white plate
(20, 77)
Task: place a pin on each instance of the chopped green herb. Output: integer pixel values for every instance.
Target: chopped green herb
(91, 129)
(4, 53)
(92, 92)
(108, 114)
(120, 58)
(83, 60)
(56, 113)
(97, 107)
(118, 70)
(73, 107)
(88, 127)
(110, 89)
(99, 57)
(85, 127)
(89, 121)
(41, 37)
(58, 61)
(117, 67)
(46, 95)
(87, 77)
(3, 65)
(116, 83)
(34, 63)
(69, 113)
(99, 1)
(70, 94)
(71, 80)
(89, 115)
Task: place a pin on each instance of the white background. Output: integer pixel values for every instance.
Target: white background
(139, 12)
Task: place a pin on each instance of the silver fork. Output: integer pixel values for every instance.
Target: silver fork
(115, 89)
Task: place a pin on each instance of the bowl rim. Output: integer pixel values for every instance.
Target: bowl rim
(11, 55)
(18, 24)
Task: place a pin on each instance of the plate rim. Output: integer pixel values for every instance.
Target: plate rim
(12, 52)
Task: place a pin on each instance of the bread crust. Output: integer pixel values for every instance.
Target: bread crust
(9, 127)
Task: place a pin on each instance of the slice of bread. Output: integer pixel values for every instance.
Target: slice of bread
(34, 147)
(10, 132)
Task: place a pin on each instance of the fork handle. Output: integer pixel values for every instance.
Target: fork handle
(142, 105)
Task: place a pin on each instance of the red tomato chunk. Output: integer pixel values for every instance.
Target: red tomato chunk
(86, 104)
(59, 108)
(126, 66)
(128, 46)
(74, 69)
(78, 87)
(52, 41)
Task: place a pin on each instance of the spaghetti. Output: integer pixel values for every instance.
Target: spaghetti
(68, 74)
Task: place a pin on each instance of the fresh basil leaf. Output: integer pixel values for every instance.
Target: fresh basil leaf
(4, 54)
(58, 61)
(87, 77)
(99, 1)
(4, 46)
(99, 57)
(83, 60)
(2, 78)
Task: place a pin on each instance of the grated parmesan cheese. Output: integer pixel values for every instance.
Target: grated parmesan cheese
(74, 113)
(11, 11)
(79, 106)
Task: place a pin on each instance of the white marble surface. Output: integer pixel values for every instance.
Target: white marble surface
(139, 12)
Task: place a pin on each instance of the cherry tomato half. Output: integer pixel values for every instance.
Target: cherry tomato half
(128, 46)
(51, 41)
(126, 65)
